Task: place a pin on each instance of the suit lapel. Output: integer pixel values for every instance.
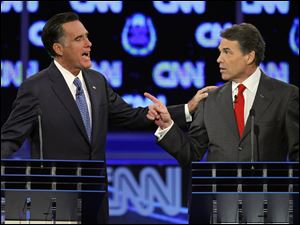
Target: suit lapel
(225, 105)
(63, 93)
(263, 99)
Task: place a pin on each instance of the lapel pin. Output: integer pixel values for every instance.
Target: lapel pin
(94, 87)
(261, 95)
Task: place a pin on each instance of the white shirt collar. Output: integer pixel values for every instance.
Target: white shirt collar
(251, 83)
(68, 76)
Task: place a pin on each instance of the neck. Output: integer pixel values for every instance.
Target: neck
(73, 71)
(247, 73)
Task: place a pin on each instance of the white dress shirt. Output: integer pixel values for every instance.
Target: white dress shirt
(251, 84)
(69, 78)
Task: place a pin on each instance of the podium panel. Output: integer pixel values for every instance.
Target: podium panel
(244, 192)
(40, 206)
(60, 191)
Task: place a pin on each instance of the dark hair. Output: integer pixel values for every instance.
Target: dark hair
(53, 30)
(249, 39)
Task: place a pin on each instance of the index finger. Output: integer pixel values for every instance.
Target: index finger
(152, 98)
(208, 88)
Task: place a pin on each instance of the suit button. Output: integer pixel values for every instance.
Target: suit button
(240, 148)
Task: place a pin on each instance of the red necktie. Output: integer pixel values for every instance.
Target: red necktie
(239, 109)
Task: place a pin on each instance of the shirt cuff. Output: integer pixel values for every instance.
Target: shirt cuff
(160, 133)
(188, 116)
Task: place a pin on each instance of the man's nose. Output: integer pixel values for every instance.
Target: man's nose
(88, 43)
(219, 59)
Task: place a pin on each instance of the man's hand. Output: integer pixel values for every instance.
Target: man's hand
(199, 96)
(158, 112)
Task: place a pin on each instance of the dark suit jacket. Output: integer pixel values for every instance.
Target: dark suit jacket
(214, 127)
(64, 135)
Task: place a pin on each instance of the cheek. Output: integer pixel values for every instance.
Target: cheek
(77, 56)
(73, 54)
(236, 63)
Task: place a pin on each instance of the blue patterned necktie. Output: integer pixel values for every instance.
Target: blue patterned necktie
(82, 106)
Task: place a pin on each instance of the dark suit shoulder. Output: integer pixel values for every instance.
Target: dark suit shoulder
(35, 82)
(221, 89)
(278, 84)
(41, 75)
(94, 74)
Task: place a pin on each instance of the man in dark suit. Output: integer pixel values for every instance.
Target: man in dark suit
(76, 103)
(221, 124)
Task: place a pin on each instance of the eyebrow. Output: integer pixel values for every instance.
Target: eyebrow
(79, 36)
(224, 49)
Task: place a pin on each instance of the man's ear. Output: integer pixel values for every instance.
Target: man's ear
(58, 49)
(251, 57)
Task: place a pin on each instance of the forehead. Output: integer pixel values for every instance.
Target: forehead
(74, 28)
(227, 44)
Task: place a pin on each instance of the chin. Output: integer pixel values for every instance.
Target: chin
(86, 65)
(224, 77)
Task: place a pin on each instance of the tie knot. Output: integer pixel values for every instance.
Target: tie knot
(77, 83)
(241, 88)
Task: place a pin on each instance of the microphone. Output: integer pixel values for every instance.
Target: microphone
(39, 115)
(53, 210)
(26, 209)
(235, 99)
(252, 115)
(3, 203)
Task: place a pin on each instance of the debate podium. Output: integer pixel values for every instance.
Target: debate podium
(229, 192)
(52, 191)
